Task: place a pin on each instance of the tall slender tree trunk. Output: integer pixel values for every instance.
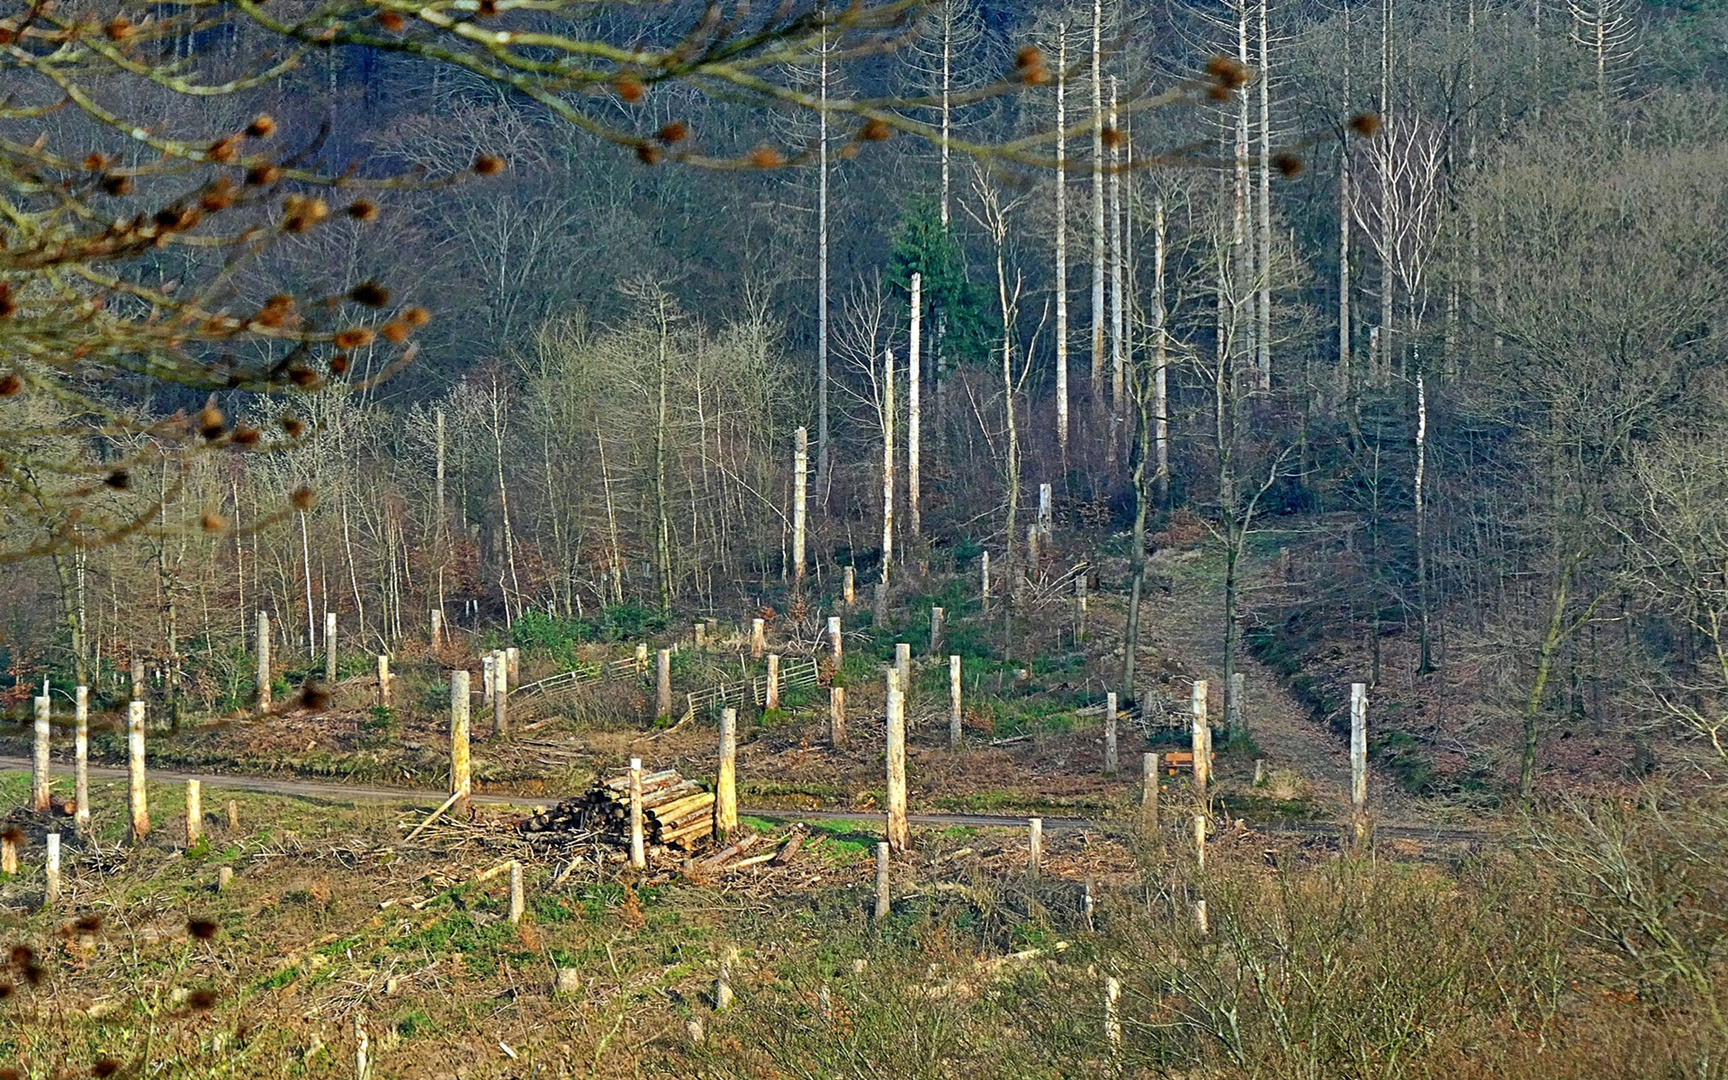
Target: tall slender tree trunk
(1244, 262)
(947, 103)
(1426, 661)
(1117, 405)
(1062, 242)
(822, 480)
(1263, 216)
(914, 390)
(1160, 356)
(662, 499)
(1344, 350)
(1098, 315)
(887, 461)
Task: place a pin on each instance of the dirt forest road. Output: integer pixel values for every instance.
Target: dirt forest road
(352, 793)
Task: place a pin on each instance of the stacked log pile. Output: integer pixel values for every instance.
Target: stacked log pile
(675, 812)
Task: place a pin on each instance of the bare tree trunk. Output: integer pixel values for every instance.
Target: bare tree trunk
(887, 461)
(1344, 273)
(1062, 242)
(306, 561)
(1426, 663)
(663, 523)
(1116, 351)
(1161, 354)
(822, 478)
(1263, 223)
(1098, 255)
(913, 416)
(947, 109)
(800, 477)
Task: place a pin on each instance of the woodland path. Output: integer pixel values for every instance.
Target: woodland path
(350, 793)
(1187, 625)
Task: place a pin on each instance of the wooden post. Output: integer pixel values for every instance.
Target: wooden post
(1200, 840)
(723, 981)
(937, 619)
(263, 661)
(139, 802)
(1034, 845)
(836, 648)
(880, 606)
(1113, 1018)
(1359, 755)
(51, 890)
(663, 683)
(699, 635)
(883, 900)
(459, 781)
(1259, 772)
(1110, 733)
(330, 648)
(513, 664)
(1079, 609)
(903, 665)
(758, 638)
(1233, 708)
(771, 697)
(224, 876)
(1046, 513)
(1201, 741)
(383, 681)
(638, 851)
(81, 760)
(1149, 793)
(726, 781)
(1031, 551)
(437, 629)
(954, 711)
(837, 716)
(899, 831)
(518, 894)
(984, 580)
(641, 658)
(233, 816)
(500, 695)
(140, 692)
(849, 589)
(362, 1049)
(39, 800)
(487, 679)
(1200, 920)
(9, 850)
(194, 812)
(800, 481)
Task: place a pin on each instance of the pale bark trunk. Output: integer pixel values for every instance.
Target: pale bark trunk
(887, 461)
(1116, 352)
(1426, 661)
(800, 478)
(1062, 243)
(913, 413)
(662, 509)
(822, 286)
(1263, 223)
(1161, 356)
(1098, 315)
(1344, 274)
(947, 109)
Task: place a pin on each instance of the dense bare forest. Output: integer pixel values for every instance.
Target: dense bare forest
(1375, 343)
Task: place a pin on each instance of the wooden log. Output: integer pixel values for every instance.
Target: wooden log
(138, 802)
(723, 982)
(1149, 794)
(685, 810)
(758, 638)
(1110, 734)
(1034, 845)
(500, 695)
(264, 671)
(518, 893)
(726, 780)
(9, 850)
(790, 848)
(459, 778)
(233, 816)
(51, 887)
(954, 711)
(651, 781)
(1201, 732)
(731, 851)
(455, 797)
(638, 852)
(899, 831)
(383, 681)
(39, 779)
(663, 683)
(883, 900)
(194, 812)
(837, 716)
(771, 699)
(81, 760)
(657, 799)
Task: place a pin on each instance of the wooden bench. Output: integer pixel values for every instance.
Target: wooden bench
(1181, 761)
